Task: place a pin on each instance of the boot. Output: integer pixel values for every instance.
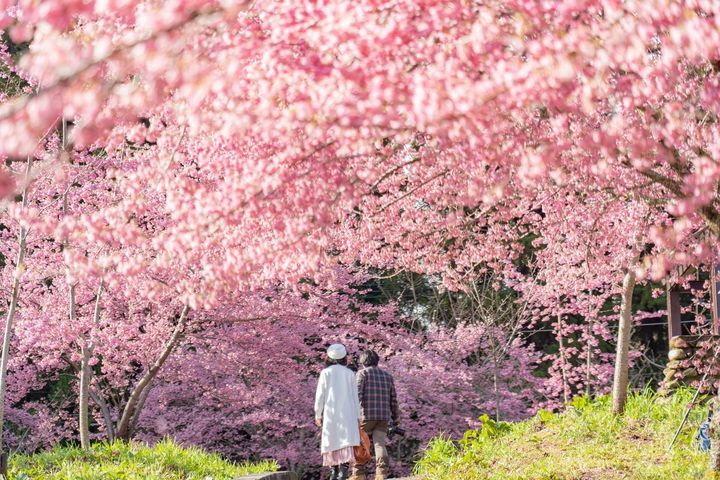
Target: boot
(334, 472)
(344, 472)
(382, 469)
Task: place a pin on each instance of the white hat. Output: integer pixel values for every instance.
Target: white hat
(336, 351)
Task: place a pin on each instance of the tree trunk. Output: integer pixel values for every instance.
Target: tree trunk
(97, 397)
(84, 410)
(86, 375)
(20, 267)
(588, 359)
(495, 389)
(84, 386)
(135, 402)
(563, 370)
(620, 381)
(714, 460)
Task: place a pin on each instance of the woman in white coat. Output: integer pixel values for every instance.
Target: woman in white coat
(337, 411)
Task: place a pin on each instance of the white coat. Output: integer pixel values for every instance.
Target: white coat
(337, 403)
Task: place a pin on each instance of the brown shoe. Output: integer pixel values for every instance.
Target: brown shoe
(382, 473)
(358, 476)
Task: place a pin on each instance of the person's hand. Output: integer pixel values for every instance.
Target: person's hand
(318, 422)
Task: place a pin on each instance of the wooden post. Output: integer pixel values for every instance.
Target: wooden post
(673, 306)
(673, 312)
(715, 300)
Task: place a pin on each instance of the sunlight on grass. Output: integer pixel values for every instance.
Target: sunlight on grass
(165, 460)
(585, 442)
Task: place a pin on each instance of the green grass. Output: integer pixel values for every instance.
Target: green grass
(165, 460)
(585, 442)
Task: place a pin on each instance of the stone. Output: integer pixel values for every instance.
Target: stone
(676, 354)
(672, 385)
(678, 342)
(690, 373)
(674, 364)
(271, 476)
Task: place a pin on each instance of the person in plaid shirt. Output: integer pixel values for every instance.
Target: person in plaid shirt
(378, 406)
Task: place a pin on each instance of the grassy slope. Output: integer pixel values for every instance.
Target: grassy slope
(165, 460)
(585, 442)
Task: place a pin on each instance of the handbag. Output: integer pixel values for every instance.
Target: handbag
(362, 451)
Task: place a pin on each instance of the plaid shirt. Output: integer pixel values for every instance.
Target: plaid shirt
(376, 390)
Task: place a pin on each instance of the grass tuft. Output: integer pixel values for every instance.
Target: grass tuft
(119, 460)
(584, 442)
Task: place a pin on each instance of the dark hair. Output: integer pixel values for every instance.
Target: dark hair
(341, 361)
(369, 358)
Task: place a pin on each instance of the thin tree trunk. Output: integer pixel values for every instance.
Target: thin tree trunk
(588, 359)
(84, 371)
(562, 359)
(97, 397)
(84, 410)
(86, 375)
(588, 332)
(620, 381)
(124, 429)
(20, 267)
(714, 460)
(495, 388)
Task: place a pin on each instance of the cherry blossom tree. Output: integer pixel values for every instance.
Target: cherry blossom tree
(250, 143)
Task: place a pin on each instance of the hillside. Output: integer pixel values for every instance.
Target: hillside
(584, 442)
